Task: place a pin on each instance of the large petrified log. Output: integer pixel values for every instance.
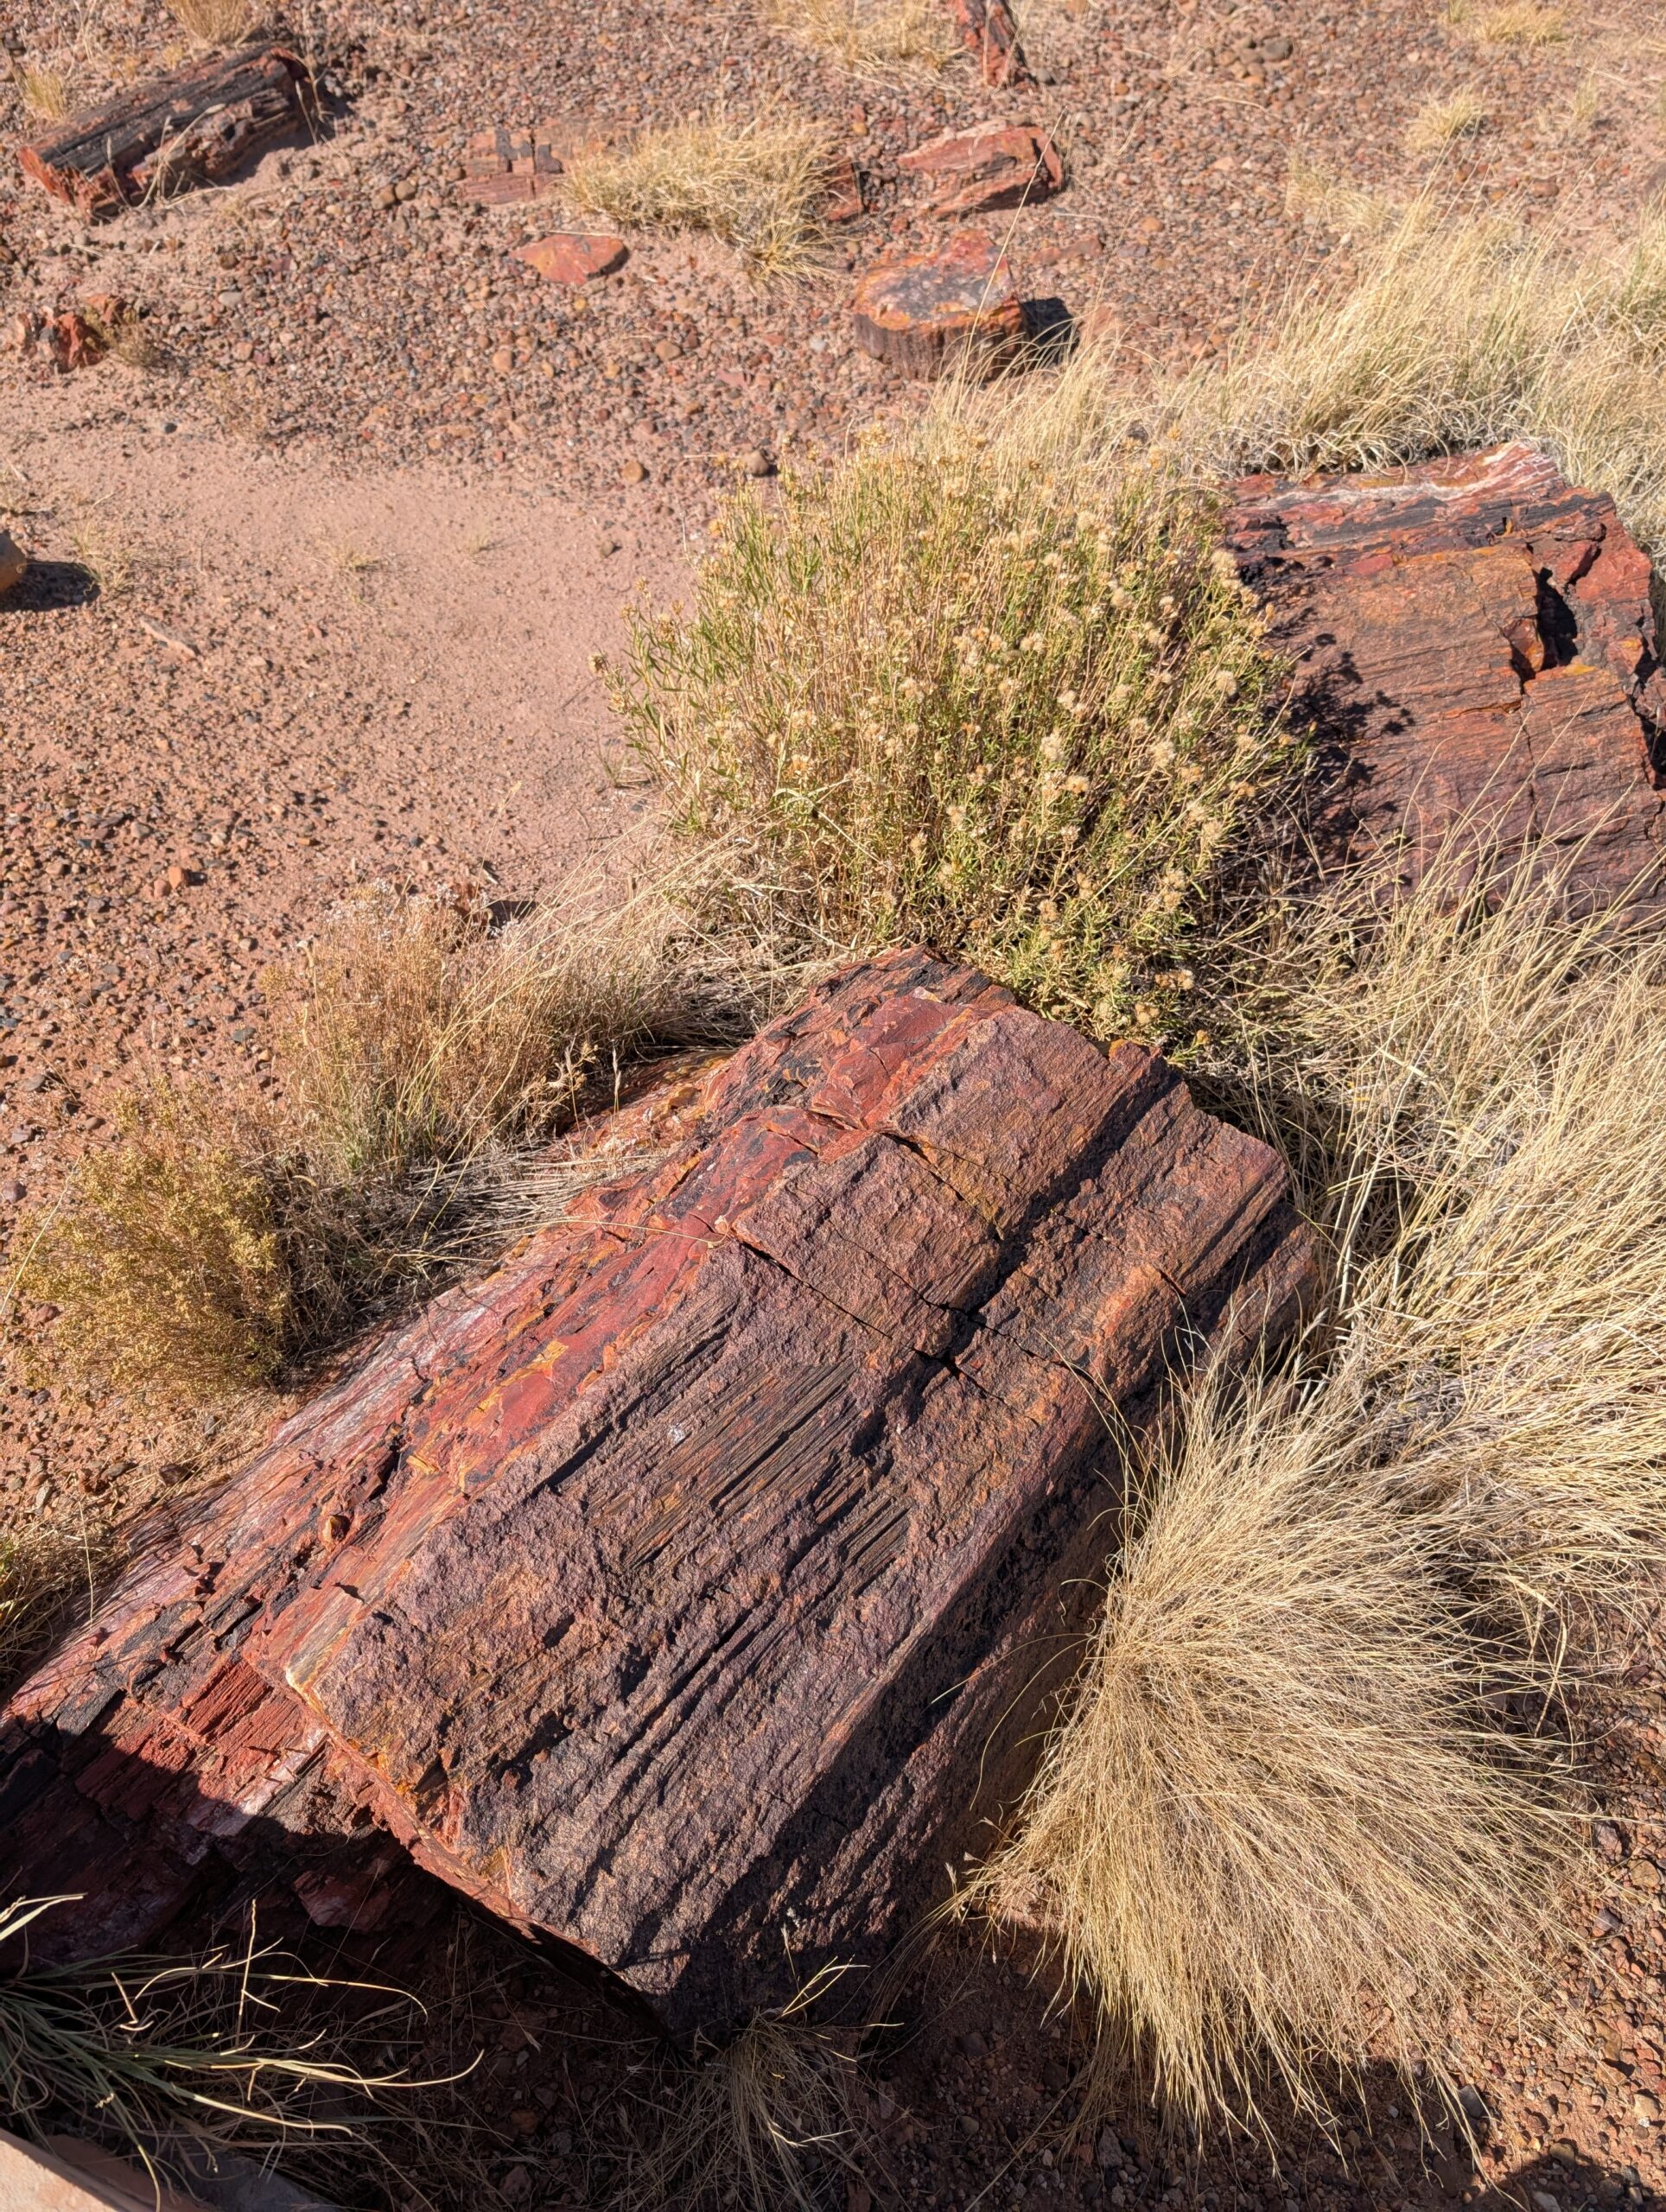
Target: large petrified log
(1477, 645)
(688, 1590)
(194, 127)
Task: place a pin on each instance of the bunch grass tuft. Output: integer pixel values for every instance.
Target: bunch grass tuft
(754, 184)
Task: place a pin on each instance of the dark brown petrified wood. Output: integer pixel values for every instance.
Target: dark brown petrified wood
(690, 1587)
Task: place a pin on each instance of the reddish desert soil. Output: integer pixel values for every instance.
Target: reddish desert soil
(313, 603)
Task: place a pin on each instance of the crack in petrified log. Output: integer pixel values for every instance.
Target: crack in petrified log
(1477, 642)
(697, 1578)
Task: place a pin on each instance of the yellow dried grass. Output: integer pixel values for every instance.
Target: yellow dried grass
(754, 184)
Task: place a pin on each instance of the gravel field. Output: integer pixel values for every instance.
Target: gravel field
(317, 584)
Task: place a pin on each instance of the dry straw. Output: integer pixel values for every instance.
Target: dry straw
(874, 38)
(754, 184)
(1281, 1832)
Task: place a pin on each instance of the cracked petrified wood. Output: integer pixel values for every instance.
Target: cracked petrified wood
(194, 127)
(954, 309)
(1476, 646)
(688, 1589)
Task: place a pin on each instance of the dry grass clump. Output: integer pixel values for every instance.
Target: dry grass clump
(166, 1261)
(150, 2050)
(42, 91)
(219, 23)
(1438, 123)
(1491, 1073)
(882, 38)
(757, 2123)
(1456, 332)
(427, 1057)
(45, 1574)
(1314, 194)
(1268, 1839)
(945, 695)
(1521, 23)
(755, 185)
(1282, 1830)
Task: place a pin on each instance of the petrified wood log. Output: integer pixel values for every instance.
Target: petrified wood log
(955, 309)
(1477, 649)
(687, 1589)
(193, 127)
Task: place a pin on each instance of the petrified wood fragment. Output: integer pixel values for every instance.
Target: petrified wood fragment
(692, 1583)
(1478, 648)
(956, 309)
(989, 28)
(193, 127)
(990, 166)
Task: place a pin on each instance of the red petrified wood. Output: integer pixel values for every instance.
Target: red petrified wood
(502, 168)
(957, 309)
(1477, 643)
(574, 257)
(194, 127)
(989, 28)
(991, 165)
(684, 1590)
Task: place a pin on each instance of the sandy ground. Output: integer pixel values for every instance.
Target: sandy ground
(313, 605)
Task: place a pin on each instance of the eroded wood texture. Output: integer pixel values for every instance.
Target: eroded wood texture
(1477, 645)
(194, 127)
(692, 1579)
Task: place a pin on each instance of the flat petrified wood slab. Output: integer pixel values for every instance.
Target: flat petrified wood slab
(1477, 643)
(194, 127)
(692, 1583)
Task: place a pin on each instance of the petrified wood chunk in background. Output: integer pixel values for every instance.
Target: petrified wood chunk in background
(1476, 642)
(691, 1582)
(193, 127)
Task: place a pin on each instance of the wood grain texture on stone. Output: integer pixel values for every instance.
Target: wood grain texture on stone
(687, 1580)
(956, 309)
(1477, 650)
(990, 166)
(991, 32)
(194, 127)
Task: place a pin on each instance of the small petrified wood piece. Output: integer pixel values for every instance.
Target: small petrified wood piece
(956, 309)
(695, 1578)
(1477, 648)
(194, 127)
(992, 165)
(991, 31)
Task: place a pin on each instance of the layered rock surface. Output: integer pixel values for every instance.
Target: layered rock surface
(695, 1582)
(1475, 645)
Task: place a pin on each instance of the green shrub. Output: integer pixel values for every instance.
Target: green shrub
(948, 696)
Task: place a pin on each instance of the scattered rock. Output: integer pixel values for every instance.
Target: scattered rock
(14, 565)
(710, 1541)
(12, 1192)
(989, 30)
(574, 257)
(956, 307)
(1478, 650)
(503, 167)
(194, 127)
(991, 165)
